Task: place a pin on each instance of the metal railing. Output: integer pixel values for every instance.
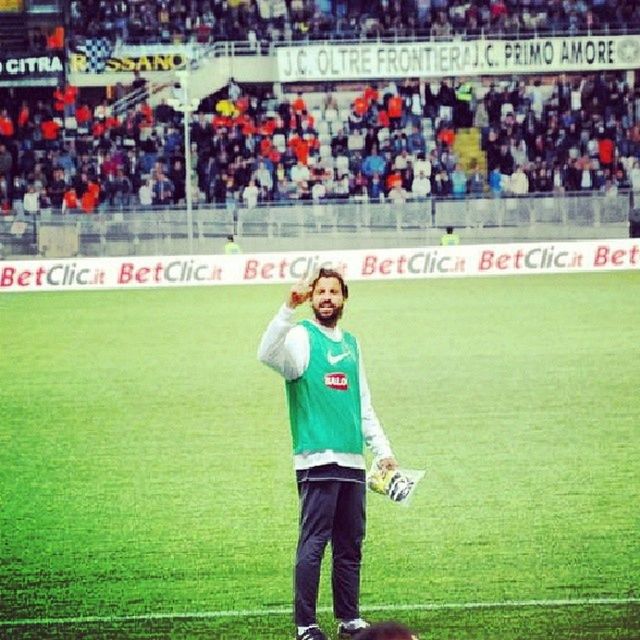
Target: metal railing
(164, 231)
(261, 47)
(346, 34)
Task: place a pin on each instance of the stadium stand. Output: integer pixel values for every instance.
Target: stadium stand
(206, 21)
(252, 144)
(393, 141)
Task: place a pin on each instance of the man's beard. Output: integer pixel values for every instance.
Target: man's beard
(328, 320)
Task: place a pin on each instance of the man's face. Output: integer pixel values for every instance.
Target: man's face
(327, 301)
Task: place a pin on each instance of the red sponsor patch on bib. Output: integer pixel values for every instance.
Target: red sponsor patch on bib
(336, 381)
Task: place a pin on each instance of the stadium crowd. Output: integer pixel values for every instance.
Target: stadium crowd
(389, 143)
(206, 21)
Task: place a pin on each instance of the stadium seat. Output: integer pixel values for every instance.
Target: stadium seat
(355, 142)
(343, 116)
(324, 139)
(322, 127)
(383, 136)
(331, 115)
(342, 166)
(325, 151)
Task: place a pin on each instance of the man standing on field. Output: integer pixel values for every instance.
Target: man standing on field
(331, 419)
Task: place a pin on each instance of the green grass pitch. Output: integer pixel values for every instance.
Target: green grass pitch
(146, 481)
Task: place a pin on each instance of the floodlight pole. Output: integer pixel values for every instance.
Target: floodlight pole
(187, 107)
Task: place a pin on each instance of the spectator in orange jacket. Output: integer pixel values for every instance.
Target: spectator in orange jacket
(90, 197)
(447, 136)
(70, 201)
(606, 152)
(299, 105)
(6, 126)
(65, 100)
(383, 118)
(360, 106)
(55, 39)
(24, 115)
(371, 94)
(147, 114)
(394, 179)
(300, 148)
(50, 130)
(395, 110)
(83, 115)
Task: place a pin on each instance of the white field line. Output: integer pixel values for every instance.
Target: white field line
(255, 613)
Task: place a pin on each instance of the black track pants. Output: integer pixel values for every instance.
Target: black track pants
(330, 510)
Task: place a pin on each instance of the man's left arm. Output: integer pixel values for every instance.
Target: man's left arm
(372, 430)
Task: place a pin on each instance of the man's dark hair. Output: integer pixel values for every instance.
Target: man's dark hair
(385, 631)
(331, 273)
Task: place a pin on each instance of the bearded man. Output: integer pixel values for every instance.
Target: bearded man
(331, 419)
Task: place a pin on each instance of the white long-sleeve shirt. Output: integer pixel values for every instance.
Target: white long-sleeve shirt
(285, 348)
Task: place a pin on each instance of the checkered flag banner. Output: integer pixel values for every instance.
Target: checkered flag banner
(98, 50)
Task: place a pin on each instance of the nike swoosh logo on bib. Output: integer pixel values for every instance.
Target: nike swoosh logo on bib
(335, 359)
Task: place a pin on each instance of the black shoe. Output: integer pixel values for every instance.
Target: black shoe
(312, 633)
(348, 632)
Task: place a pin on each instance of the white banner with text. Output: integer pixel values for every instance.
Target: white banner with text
(286, 267)
(372, 60)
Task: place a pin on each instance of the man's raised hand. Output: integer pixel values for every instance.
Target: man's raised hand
(299, 293)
